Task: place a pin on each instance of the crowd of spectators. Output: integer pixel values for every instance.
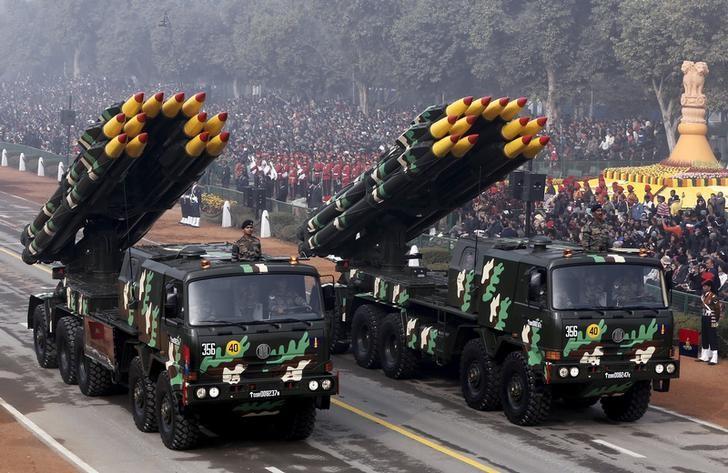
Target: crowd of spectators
(689, 242)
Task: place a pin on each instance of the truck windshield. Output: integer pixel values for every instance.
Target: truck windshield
(261, 298)
(608, 286)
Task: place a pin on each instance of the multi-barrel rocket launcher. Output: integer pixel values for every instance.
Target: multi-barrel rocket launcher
(133, 164)
(447, 156)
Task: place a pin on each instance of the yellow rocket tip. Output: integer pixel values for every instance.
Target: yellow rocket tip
(196, 145)
(153, 105)
(512, 109)
(464, 145)
(195, 125)
(534, 126)
(458, 107)
(136, 146)
(133, 105)
(535, 146)
(443, 146)
(515, 147)
(477, 107)
(134, 126)
(513, 128)
(193, 104)
(215, 124)
(115, 146)
(173, 105)
(217, 144)
(442, 126)
(494, 108)
(463, 125)
(114, 126)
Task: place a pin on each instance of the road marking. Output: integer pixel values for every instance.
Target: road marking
(691, 418)
(618, 448)
(18, 197)
(15, 255)
(47, 439)
(273, 469)
(417, 438)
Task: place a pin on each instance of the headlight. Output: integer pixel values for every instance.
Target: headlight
(313, 385)
(574, 371)
(326, 384)
(659, 369)
(214, 392)
(670, 368)
(200, 393)
(563, 371)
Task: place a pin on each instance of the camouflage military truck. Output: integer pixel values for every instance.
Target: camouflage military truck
(195, 334)
(525, 321)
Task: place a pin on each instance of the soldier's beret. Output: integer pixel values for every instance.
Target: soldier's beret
(247, 223)
(596, 207)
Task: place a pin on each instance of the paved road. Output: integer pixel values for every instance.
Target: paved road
(376, 424)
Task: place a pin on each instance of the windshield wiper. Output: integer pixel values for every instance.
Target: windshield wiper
(277, 321)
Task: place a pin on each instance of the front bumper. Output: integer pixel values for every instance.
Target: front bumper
(611, 372)
(261, 389)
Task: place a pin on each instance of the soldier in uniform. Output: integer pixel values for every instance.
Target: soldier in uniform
(709, 326)
(248, 246)
(282, 299)
(595, 234)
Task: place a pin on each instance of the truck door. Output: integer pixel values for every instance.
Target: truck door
(531, 296)
(151, 305)
(462, 282)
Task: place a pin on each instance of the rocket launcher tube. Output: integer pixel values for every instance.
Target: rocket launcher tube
(515, 147)
(193, 105)
(464, 145)
(136, 146)
(196, 145)
(463, 125)
(135, 125)
(514, 128)
(195, 125)
(114, 126)
(88, 182)
(494, 108)
(95, 132)
(534, 126)
(216, 144)
(535, 146)
(87, 159)
(215, 124)
(512, 108)
(431, 113)
(172, 106)
(133, 105)
(46, 212)
(153, 105)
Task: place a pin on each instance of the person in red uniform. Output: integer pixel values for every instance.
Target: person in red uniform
(327, 176)
(345, 174)
(336, 176)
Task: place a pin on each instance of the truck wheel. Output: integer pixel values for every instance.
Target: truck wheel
(69, 337)
(43, 342)
(93, 378)
(398, 361)
(630, 406)
(338, 334)
(142, 394)
(297, 420)
(178, 431)
(479, 377)
(524, 401)
(364, 335)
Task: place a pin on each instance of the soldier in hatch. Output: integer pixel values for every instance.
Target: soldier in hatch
(248, 246)
(595, 234)
(282, 299)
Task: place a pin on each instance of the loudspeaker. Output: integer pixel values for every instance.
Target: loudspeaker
(527, 186)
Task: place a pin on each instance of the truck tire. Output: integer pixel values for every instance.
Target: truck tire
(338, 343)
(525, 402)
(143, 397)
(630, 406)
(297, 420)
(397, 361)
(479, 377)
(364, 335)
(93, 378)
(69, 337)
(178, 431)
(43, 343)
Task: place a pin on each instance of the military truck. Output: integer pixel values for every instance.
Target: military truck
(195, 334)
(525, 321)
